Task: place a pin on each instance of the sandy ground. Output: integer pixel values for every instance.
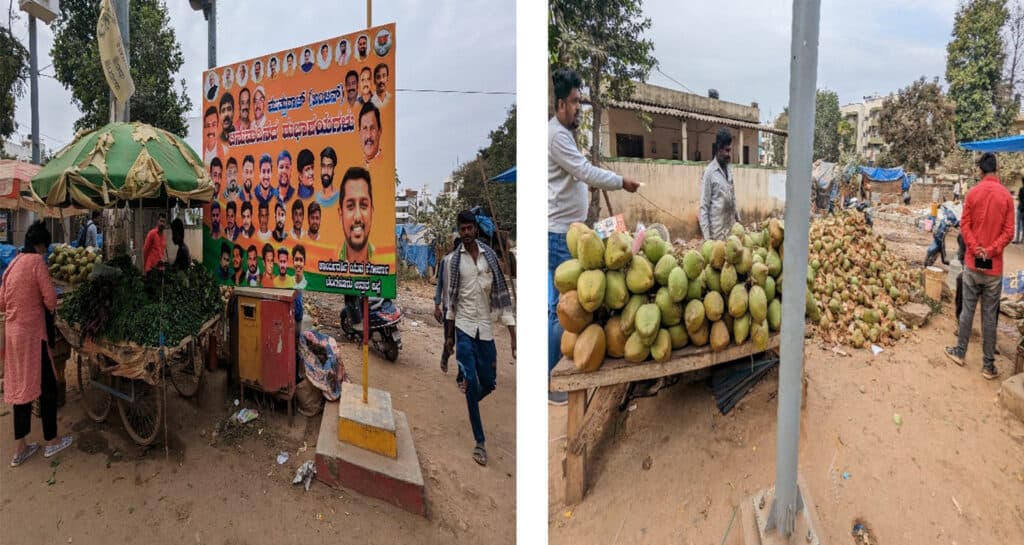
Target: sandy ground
(956, 446)
(232, 492)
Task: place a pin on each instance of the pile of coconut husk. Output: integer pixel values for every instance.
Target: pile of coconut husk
(858, 283)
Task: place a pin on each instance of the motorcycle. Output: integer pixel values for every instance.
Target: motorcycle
(384, 317)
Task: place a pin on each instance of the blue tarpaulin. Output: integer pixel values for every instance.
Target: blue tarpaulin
(877, 174)
(507, 177)
(1006, 144)
(413, 247)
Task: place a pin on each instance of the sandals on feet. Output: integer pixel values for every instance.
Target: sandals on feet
(24, 455)
(52, 450)
(480, 455)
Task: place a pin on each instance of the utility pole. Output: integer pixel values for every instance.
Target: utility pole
(34, 85)
(121, 11)
(210, 12)
(803, 75)
(209, 9)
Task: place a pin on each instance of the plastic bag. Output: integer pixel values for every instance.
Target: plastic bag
(326, 373)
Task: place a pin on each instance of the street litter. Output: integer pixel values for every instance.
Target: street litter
(244, 416)
(875, 349)
(846, 475)
(897, 419)
(305, 474)
(282, 458)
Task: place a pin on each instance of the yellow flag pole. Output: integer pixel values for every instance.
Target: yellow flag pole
(366, 301)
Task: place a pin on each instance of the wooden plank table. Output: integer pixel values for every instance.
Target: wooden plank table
(609, 383)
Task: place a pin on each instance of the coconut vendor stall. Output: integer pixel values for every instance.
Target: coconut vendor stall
(640, 309)
(129, 331)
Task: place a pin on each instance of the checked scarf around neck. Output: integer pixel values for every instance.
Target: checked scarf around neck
(500, 298)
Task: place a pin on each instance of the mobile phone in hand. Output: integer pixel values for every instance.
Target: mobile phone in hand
(983, 264)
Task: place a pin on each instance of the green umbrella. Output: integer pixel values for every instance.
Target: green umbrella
(123, 162)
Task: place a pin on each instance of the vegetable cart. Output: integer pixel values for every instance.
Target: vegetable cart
(592, 396)
(134, 376)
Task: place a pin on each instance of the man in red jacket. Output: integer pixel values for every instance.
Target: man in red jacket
(987, 226)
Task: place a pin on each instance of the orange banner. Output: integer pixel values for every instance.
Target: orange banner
(300, 145)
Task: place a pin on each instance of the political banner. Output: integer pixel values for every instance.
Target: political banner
(300, 145)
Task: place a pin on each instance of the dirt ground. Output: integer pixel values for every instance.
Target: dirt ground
(957, 449)
(230, 491)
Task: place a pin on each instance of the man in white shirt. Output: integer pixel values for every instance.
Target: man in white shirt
(476, 291)
(569, 175)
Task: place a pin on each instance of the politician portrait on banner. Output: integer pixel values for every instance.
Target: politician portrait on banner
(305, 154)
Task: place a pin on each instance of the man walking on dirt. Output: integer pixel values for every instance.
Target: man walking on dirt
(477, 291)
(569, 175)
(717, 193)
(987, 226)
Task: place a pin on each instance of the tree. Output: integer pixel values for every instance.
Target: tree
(847, 136)
(826, 125)
(155, 58)
(604, 42)
(985, 105)
(1013, 38)
(14, 70)
(917, 125)
(497, 157)
(779, 141)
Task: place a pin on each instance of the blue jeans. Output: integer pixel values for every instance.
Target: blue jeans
(478, 363)
(557, 254)
(937, 248)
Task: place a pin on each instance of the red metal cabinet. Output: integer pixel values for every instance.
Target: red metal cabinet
(277, 337)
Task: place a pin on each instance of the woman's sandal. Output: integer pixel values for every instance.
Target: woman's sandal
(480, 455)
(53, 450)
(21, 458)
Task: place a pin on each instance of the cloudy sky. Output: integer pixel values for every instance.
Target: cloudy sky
(442, 44)
(742, 47)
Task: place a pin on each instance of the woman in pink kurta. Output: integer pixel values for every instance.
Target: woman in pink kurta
(26, 296)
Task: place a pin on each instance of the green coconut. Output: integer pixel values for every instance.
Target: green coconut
(775, 315)
(757, 302)
(679, 336)
(738, 301)
(567, 275)
(677, 284)
(615, 292)
(714, 306)
(741, 328)
(617, 251)
(629, 313)
(665, 266)
(640, 276)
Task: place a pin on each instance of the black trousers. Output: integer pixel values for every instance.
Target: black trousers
(47, 404)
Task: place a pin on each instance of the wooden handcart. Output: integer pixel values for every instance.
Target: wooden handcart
(592, 395)
(133, 376)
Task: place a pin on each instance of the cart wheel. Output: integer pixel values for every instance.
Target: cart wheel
(141, 417)
(186, 370)
(97, 402)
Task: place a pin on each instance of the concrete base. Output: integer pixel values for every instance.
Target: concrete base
(1011, 393)
(369, 425)
(395, 480)
(755, 511)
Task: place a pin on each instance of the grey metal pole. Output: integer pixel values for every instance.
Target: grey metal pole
(803, 75)
(121, 10)
(211, 30)
(34, 84)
